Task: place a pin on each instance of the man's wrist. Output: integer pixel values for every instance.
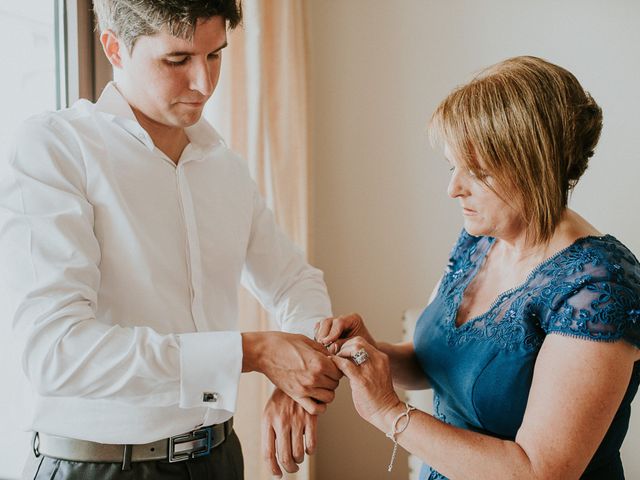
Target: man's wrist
(253, 344)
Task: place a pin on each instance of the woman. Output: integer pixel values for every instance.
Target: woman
(531, 339)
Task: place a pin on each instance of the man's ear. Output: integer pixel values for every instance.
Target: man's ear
(112, 47)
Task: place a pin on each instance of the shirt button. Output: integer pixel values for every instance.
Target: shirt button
(210, 397)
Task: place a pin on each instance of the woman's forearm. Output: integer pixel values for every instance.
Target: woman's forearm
(405, 369)
(458, 453)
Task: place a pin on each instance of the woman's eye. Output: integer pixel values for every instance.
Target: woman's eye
(478, 175)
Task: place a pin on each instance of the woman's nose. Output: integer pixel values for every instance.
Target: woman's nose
(457, 186)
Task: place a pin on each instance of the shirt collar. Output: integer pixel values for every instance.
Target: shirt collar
(113, 105)
(202, 135)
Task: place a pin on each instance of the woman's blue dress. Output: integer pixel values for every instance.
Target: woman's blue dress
(481, 372)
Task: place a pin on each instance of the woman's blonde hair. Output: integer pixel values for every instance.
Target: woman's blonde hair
(532, 126)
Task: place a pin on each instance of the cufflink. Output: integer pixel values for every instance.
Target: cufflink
(210, 397)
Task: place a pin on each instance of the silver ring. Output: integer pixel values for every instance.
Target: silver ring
(360, 357)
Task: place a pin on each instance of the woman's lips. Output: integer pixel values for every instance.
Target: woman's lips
(468, 211)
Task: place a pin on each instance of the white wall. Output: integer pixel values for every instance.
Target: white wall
(28, 85)
(383, 222)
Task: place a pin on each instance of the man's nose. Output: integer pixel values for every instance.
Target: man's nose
(201, 77)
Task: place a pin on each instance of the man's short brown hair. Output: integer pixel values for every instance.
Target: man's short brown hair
(131, 19)
(533, 127)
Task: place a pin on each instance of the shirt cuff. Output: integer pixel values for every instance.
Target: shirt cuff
(303, 327)
(210, 368)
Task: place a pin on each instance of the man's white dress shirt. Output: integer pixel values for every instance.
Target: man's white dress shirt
(121, 272)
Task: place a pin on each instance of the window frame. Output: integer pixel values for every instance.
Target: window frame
(83, 69)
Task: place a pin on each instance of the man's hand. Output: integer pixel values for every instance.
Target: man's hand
(288, 431)
(298, 366)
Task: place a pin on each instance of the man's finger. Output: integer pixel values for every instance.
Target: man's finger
(310, 439)
(269, 449)
(297, 440)
(311, 406)
(283, 444)
(328, 382)
(330, 373)
(322, 395)
(333, 374)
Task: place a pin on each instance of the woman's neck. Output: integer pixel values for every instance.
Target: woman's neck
(517, 248)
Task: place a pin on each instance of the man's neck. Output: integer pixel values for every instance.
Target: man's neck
(170, 140)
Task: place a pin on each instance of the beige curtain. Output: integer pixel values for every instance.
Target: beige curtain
(260, 107)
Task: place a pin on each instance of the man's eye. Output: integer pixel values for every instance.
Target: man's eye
(213, 56)
(176, 62)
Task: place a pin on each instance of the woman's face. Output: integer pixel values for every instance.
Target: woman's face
(484, 212)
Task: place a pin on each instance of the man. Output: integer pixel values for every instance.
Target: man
(126, 228)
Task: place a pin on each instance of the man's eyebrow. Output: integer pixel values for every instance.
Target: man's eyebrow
(182, 53)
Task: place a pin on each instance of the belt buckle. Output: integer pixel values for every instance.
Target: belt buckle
(197, 450)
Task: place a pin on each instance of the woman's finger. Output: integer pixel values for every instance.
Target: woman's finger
(315, 331)
(354, 344)
(336, 346)
(321, 329)
(333, 348)
(339, 328)
(346, 366)
(324, 327)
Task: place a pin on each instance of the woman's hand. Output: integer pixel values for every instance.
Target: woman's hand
(334, 332)
(371, 385)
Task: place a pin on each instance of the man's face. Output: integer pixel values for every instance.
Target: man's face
(167, 79)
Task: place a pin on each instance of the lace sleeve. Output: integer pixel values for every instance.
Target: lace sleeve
(601, 310)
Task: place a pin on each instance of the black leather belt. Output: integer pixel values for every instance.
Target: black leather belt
(178, 448)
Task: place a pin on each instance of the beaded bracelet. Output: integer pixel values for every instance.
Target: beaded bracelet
(395, 430)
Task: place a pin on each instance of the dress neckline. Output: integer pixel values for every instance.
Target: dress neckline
(500, 297)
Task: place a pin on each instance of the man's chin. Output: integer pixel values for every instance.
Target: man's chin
(187, 120)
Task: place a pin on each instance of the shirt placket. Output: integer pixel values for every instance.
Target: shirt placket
(193, 253)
